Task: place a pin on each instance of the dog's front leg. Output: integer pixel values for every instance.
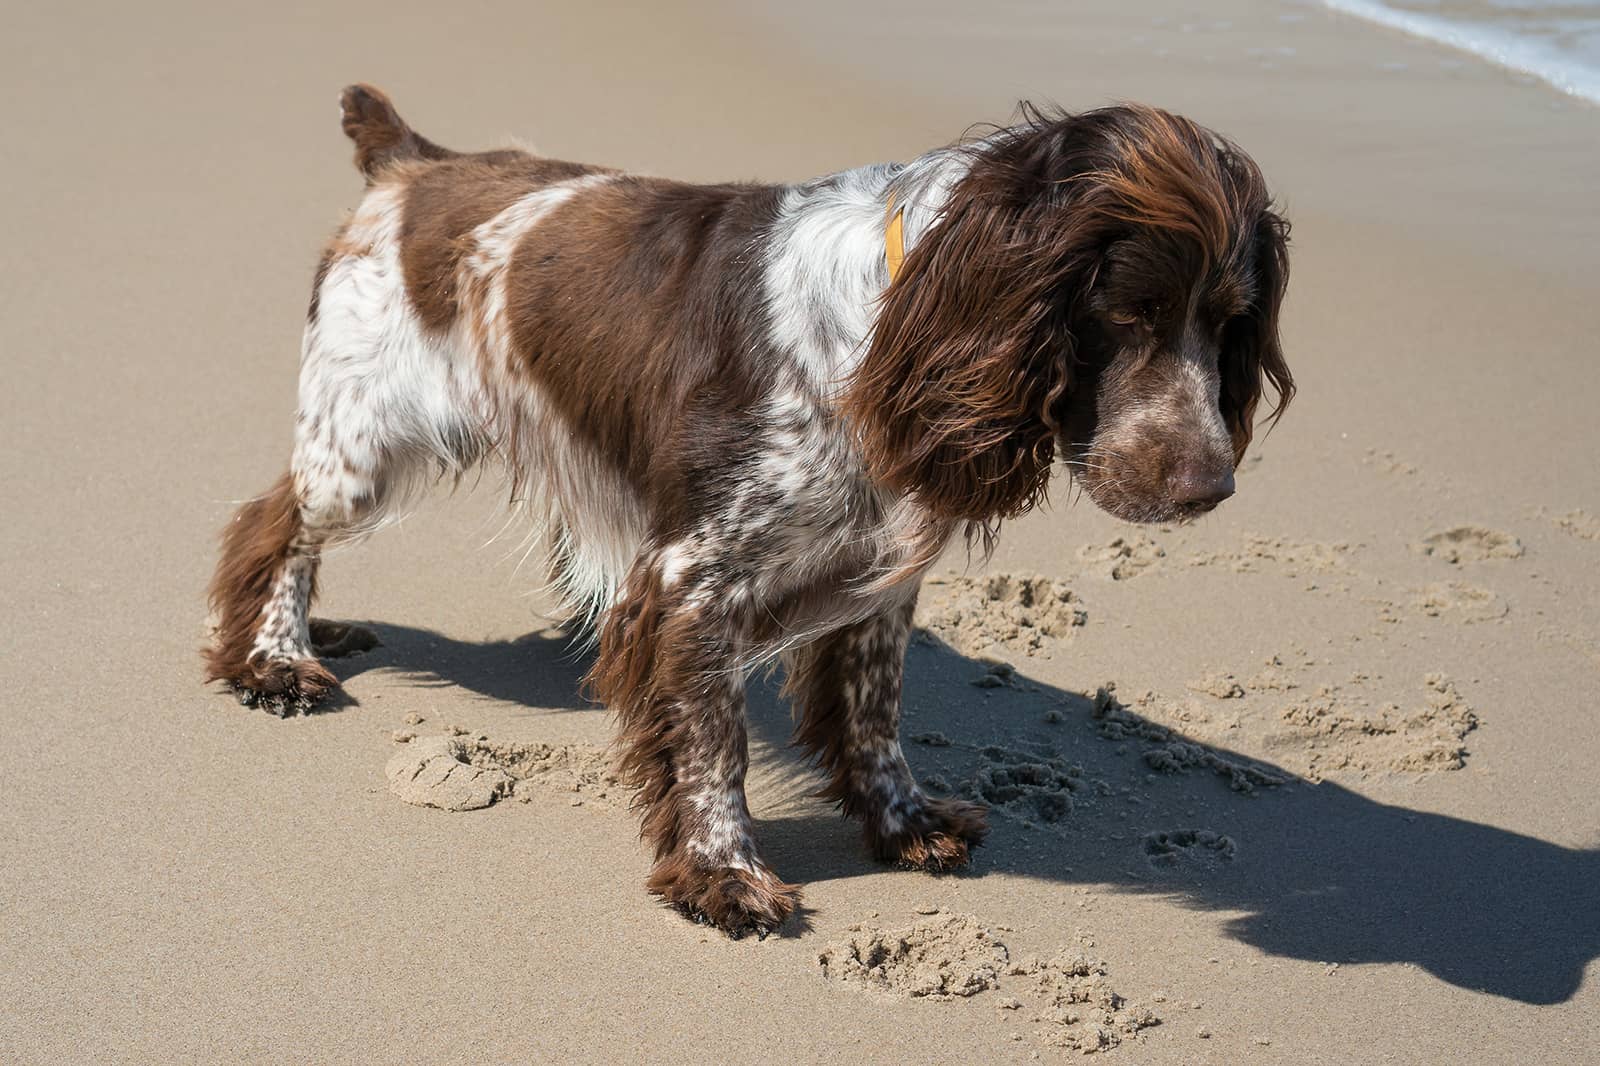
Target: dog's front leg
(846, 688)
(668, 669)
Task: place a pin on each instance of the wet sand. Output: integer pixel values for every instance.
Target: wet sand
(1313, 780)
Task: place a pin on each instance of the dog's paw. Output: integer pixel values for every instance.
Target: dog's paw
(283, 687)
(940, 836)
(734, 899)
(337, 640)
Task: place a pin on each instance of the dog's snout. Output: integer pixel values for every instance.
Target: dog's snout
(1199, 487)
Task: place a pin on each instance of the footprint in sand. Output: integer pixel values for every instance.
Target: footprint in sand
(1388, 463)
(1290, 557)
(1332, 731)
(1456, 601)
(1169, 752)
(1123, 558)
(1172, 847)
(1469, 544)
(1033, 789)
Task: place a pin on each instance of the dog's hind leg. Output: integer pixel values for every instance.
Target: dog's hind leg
(264, 581)
(381, 401)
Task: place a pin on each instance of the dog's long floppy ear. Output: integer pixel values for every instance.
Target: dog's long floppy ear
(1252, 354)
(969, 354)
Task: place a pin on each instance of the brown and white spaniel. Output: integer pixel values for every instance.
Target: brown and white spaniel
(747, 418)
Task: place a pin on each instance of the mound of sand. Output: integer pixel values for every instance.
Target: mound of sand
(997, 674)
(1218, 685)
(581, 769)
(955, 955)
(1122, 558)
(1470, 544)
(1081, 1011)
(1578, 523)
(1274, 676)
(1018, 612)
(437, 772)
(1333, 731)
(459, 773)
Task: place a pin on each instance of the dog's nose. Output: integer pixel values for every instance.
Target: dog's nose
(1198, 487)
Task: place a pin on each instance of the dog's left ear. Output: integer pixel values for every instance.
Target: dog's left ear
(953, 399)
(1252, 354)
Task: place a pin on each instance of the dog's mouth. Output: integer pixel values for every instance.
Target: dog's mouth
(1126, 491)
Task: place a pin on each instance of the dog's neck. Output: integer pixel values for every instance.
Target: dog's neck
(826, 267)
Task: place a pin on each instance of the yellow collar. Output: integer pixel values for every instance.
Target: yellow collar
(894, 239)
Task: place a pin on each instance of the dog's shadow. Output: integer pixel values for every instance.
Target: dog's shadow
(1318, 872)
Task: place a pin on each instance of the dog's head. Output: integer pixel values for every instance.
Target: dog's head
(1104, 284)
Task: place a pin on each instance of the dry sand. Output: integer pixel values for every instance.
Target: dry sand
(1339, 805)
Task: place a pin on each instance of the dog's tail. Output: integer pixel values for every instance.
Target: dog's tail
(381, 135)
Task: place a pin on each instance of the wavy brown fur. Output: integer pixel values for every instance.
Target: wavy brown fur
(642, 648)
(973, 354)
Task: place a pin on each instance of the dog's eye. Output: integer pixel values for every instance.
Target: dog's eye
(1143, 316)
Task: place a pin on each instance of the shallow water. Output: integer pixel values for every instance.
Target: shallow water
(1558, 43)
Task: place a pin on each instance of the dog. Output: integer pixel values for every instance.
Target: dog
(747, 418)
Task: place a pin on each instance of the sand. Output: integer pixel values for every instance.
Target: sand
(1021, 613)
(1313, 780)
(1069, 1000)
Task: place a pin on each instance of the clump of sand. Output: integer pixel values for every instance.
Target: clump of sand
(1018, 612)
(1173, 846)
(1578, 523)
(1291, 557)
(581, 769)
(997, 674)
(1457, 601)
(1081, 1011)
(1169, 752)
(955, 955)
(1034, 789)
(458, 773)
(1470, 544)
(1218, 685)
(437, 772)
(1123, 558)
(1334, 731)
(1274, 676)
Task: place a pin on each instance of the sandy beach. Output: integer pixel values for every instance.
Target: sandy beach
(1312, 780)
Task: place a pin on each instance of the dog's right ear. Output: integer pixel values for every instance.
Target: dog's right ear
(968, 357)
